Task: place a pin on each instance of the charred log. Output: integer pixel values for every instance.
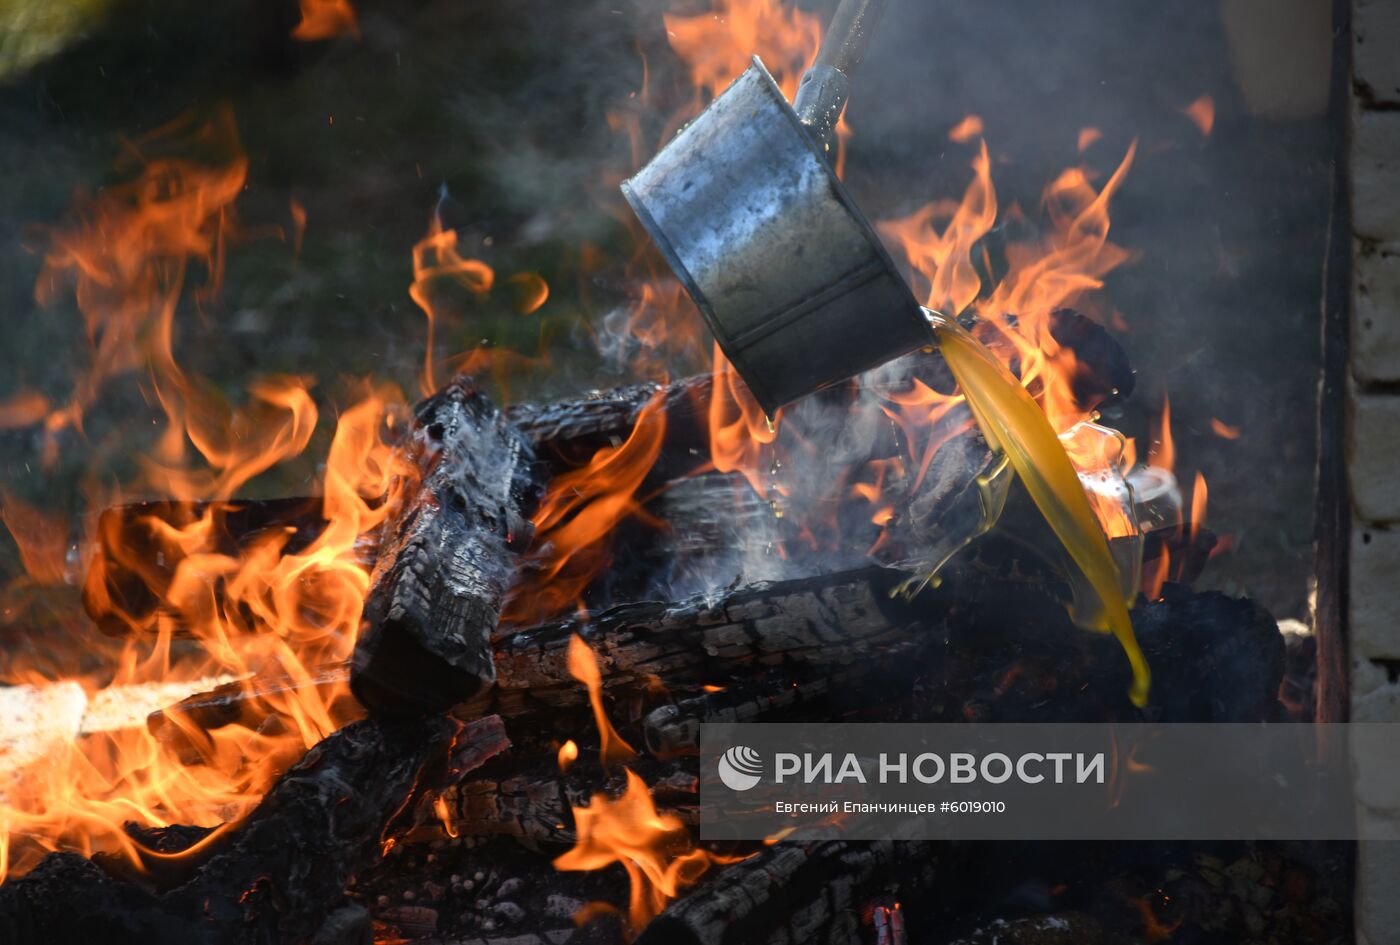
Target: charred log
(533, 804)
(276, 875)
(446, 559)
(807, 888)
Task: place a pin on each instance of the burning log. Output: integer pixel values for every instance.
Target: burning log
(567, 433)
(533, 806)
(673, 731)
(275, 876)
(446, 559)
(807, 882)
(981, 646)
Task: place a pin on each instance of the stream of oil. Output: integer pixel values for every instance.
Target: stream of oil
(1014, 423)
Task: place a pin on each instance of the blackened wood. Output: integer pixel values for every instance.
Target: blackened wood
(806, 889)
(328, 817)
(673, 731)
(447, 558)
(271, 878)
(276, 875)
(533, 804)
(567, 433)
(981, 645)
(830, 620)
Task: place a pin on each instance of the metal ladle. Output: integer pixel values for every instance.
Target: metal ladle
(744, 205)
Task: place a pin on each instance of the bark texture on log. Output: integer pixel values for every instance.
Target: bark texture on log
(446, 559)
(533, 804)
(805, 889)
(277, 875)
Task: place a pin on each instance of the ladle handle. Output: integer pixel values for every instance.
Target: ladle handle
(826, 85)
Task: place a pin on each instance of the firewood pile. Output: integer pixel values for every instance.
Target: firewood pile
(437, 816)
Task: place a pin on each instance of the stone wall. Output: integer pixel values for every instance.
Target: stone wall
(1373, 436)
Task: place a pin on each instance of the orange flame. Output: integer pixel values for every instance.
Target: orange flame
(654, 848)
(127, 255)
(965, 130)
(717, 45)
(42, 539)
(436, 258)
(262, 610)
(583, 666)
(1202, 114)
(326, 19)
(739, 429)
(1223, 430)
(1199, 498)
(444, 815)
(23, 409)
(1161, 453)
(580, 511)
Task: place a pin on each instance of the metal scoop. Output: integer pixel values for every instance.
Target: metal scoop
(745, 207)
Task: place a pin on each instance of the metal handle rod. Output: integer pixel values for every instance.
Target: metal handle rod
(826, 85)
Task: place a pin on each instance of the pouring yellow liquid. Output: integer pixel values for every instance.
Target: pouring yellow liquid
(1013, 423)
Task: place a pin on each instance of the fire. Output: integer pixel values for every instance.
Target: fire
(739, 430)
(1224, 430)
(23, 409)
(262, 610)
(718, 45)
(42, 539)
(965, 130)
(436, 258)
(326, 19)
(1161, 453)
(654, 848)
(1202, 114)
(438, 262)
(942, 243)
(583, 666)
(579, 513)
(126, 257)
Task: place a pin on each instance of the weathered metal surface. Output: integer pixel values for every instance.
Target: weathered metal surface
(793, 281)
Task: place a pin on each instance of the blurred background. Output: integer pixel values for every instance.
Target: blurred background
(512, 123)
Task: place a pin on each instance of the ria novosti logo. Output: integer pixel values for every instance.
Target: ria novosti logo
(740, 768)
